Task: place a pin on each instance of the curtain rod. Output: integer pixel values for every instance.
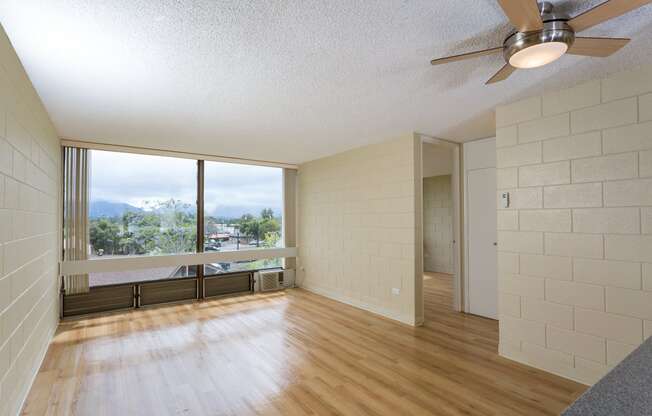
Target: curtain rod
(171, 153)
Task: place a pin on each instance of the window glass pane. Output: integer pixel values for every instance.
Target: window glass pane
(239, 266)
(141, 205)
(243, 208)
(143, 275)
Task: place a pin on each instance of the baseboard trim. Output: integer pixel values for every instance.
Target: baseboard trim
(525, 362)
(37, 367)
(384, 312)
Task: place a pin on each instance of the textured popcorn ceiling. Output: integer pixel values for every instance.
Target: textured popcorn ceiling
(277, 80)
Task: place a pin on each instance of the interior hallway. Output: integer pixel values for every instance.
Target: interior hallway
(289, 353)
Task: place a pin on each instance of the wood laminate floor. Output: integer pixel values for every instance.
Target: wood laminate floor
(288, 353)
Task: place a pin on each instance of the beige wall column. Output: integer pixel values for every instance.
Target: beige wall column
(357, 230)
(575, 243)
(290, 214)
(30, 183)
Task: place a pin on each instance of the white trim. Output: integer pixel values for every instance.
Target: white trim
(465, 204)
(171, 153)
(435, 140)
(419, 307)
(458, 224)
(458, 219)
(126, 263)
(477, 139)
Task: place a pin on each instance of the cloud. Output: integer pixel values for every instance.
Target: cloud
(229, 188)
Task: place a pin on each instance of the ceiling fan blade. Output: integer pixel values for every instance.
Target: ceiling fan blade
(604, 11)
(502, 74)
(468, 55)
(524, 14)
(600, 47)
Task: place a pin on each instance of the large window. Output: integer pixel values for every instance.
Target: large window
(141, 205)
(128, 204)
(136, 207)
(243, 206)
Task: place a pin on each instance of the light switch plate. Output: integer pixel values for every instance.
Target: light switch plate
(504, 200)
(396, 291)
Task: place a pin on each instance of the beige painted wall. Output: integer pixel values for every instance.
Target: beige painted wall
(575, 247)
(289, 214)
(438, 224)
(357, 233)
(437, 160)
(29, 186)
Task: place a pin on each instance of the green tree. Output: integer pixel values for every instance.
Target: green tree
(178, 227)
(271, 240)
(165, 227)
(129, 245)
(128, 218)
(267, 214)
(269, 226)
(259, 228)
(104, 235)
(250, 226)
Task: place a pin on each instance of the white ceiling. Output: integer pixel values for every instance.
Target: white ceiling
(286, 81)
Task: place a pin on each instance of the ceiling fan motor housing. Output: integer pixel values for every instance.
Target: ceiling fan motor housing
(542, 34)
(555, 29)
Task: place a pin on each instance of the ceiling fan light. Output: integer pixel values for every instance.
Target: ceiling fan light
(538, 55)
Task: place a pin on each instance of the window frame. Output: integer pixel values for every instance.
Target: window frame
(68, 266)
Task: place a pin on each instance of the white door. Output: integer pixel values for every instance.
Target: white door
(482, 274)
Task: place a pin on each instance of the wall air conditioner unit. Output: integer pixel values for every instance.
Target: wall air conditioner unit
(268, 280)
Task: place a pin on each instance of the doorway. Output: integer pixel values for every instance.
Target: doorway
(437, 239)
(438, 224)
(470, 283)
(440, 208)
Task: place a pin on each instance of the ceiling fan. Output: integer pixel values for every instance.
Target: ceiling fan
(542, 35)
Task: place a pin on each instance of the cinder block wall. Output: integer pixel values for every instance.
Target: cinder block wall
(438, 224)
(575, 247)
(357, 225)
(29, 188)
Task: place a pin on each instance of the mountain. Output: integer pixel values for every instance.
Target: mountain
(109, 209)
(235, 211)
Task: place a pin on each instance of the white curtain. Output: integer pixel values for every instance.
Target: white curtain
(75, 215)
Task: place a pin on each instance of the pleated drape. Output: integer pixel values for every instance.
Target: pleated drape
(75, 215)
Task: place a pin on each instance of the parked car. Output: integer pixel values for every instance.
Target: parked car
(213, 247)
(191, 271)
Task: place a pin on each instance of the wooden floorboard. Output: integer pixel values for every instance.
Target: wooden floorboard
(289, 353)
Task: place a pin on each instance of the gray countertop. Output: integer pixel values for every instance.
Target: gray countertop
(625, 390)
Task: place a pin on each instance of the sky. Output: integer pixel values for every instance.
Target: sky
(230, 189)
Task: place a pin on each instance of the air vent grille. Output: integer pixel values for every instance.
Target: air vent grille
(270, 280)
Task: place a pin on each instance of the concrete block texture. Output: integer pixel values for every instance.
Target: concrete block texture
(575, 244)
